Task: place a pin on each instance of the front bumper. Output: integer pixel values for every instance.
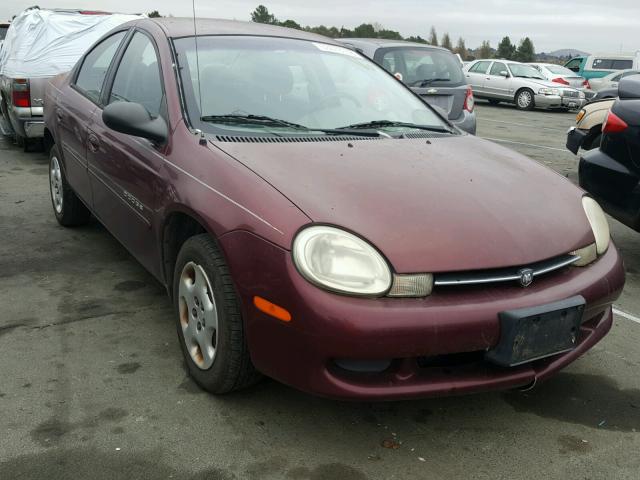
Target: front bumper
(557, 101)
(412, 333)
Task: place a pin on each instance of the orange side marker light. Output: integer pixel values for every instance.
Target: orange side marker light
(271, 309)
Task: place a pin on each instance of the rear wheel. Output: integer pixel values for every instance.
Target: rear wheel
(209, 322)
(67, 207)
(524, 99)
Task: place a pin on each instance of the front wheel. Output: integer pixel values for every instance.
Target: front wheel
(67, 207)
(209, 320)
(524, 99)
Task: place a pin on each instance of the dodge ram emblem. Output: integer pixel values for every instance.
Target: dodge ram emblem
(526, 277)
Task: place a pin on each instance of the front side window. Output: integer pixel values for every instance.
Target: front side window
(419, 65)
(138, 76)
(480, 67)
(93, 71)
(310, 84)
(498, 67)
(574, 65)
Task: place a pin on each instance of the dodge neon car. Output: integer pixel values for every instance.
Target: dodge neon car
(315, 221)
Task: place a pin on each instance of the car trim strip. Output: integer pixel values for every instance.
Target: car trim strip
(504, 274)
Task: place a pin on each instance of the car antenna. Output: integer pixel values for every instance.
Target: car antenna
(203, 140)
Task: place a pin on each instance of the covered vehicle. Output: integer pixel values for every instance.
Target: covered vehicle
(315, 221)
(521, 84)
(611, 173)
(40, 44)
(433, 73)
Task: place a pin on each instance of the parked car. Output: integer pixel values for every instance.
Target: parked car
(433, 73)
(519, 83)
(40, 44)
(612, 172)
(317, 222)
(611, 80)
(563, 76)
(587, 132)
(605, 93)
(600, 65)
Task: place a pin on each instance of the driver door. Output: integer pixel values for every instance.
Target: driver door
(498, 85)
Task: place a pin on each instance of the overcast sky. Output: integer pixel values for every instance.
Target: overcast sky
(590, 25)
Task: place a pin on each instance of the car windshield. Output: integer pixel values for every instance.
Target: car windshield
(271, 85)
(420, 66)
(524, 71)
(559, 70)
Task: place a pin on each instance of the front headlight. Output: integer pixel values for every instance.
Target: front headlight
(549, 91)
(598, 222)
(339, 261)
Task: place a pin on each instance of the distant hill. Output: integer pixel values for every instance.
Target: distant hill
(566, 52)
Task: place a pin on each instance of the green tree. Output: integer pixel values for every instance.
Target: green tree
(389, 34)
(526, 52)
(461, 49)
(261, 15)
(365, 30)
(506, 49)
(417, 39)
(433, 37)
(485, 50)
(154, 14)
(446, 42)
(290, 24)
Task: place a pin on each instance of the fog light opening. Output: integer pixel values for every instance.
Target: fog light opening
(363, 366)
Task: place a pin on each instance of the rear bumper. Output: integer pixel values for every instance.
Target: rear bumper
(467, 122)
(27, 122)
(432, 346)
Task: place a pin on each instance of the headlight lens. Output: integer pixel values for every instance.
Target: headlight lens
(549, 91)
(341, 262)
(598, 222)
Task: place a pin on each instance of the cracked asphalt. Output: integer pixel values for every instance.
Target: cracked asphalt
(92, 383)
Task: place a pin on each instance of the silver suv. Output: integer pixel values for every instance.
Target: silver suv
(431, 72)
(519, 83)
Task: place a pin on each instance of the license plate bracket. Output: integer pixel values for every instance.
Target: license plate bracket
(529, 334)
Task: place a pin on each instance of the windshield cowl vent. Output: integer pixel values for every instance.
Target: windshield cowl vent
(318, 138)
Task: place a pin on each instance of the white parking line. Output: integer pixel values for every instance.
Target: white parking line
(522, 124)
(526, 144)
(626, 315)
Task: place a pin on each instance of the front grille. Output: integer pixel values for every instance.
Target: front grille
(513, 274)
(570, 93)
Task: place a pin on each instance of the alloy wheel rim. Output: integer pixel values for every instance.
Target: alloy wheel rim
(524, 99)
(55, 177)
(198, 315)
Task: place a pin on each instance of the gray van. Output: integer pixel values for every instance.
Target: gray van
(433, 73)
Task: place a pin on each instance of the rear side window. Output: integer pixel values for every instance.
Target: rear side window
(622, 64)
(480, 67)
(94, 68)
(611, 64)
(419, 64)
(138, 76)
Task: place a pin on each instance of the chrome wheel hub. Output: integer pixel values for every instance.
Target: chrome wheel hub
(524, 99)
(198, 315)
(55, 177)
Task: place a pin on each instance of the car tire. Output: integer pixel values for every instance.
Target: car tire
(67, 207)
(209, 320)
(524, 99)
(493, 101)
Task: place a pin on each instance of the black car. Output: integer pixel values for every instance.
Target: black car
(612, 173)
(604, 94)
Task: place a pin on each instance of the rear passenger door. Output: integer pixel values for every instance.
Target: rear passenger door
(477, 76)
(124, 170)
(74, 108)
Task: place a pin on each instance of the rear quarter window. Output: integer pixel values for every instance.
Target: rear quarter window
(611, 64)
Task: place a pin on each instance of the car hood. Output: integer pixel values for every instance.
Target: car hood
(444, 204)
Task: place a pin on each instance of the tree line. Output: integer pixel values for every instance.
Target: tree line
(524, 52)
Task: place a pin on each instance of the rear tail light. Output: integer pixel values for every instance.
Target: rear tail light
(21, 93)
(586, 84)
(614, 124)
(469, 101)
(560, 80)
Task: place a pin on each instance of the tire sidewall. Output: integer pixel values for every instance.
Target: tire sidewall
(212, 378)
(54, 153)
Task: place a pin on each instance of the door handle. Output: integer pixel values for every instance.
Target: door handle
(59, 115)
(93, 143)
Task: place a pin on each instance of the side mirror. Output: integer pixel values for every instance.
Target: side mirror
(629, 87)
(504, 74)
(133, 119)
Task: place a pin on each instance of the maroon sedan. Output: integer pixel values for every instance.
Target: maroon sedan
(317, 222)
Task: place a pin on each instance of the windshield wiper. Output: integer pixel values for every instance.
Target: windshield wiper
(428, 81)
(391, 123)
(263, 120)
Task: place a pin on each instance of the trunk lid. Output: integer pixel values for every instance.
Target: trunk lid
(450, 99)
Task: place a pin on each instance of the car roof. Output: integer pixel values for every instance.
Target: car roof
(388, 43)
(184, 27)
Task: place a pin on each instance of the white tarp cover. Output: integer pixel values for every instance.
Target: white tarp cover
(43, 43)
